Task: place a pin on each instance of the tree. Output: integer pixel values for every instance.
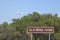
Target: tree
(17, 30)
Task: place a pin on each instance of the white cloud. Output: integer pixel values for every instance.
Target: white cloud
(19, 12)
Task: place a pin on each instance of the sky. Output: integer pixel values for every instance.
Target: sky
(10, 9)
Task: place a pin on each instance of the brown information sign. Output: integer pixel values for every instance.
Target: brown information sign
(32, 29)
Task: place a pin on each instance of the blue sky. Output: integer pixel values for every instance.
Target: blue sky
(10, 9)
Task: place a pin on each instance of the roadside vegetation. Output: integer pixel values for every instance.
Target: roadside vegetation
(17, 30)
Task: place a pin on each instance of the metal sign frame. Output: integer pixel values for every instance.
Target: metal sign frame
(41, 30)
(38, 29)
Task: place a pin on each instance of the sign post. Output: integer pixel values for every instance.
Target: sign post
(31, 36)
(49, 36)
(41, 30)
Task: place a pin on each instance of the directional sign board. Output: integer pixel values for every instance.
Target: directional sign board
(33, 29)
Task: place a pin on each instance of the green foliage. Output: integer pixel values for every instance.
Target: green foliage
(17, 30)
(57, 36)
